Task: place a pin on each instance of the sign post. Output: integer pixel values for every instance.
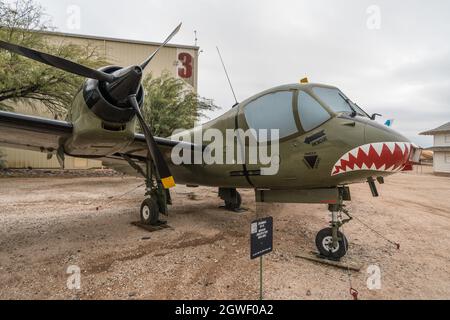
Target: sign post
(261, 243)
(261, 278)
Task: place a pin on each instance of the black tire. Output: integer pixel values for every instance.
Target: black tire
(149, 212)
(234, 205)
(324, 240)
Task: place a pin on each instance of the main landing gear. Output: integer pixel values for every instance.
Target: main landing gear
(231, 197)
(331, 243)
(149, 212)
(156, 201)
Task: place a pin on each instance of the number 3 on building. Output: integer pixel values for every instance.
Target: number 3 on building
(186, 61)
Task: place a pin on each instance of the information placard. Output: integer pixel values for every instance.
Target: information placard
(261, 237)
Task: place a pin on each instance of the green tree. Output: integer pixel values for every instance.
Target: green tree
(23, 80)
(170, 105)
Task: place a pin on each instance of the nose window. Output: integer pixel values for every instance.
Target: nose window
(312, 114)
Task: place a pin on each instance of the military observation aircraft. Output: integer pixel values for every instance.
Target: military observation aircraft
(326, 143)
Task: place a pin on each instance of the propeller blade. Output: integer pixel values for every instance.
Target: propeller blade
(58, 62)
(158, 159)
(174, 32)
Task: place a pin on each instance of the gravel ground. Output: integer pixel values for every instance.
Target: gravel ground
(51, 221)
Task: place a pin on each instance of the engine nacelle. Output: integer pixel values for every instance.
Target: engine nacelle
(101, 126)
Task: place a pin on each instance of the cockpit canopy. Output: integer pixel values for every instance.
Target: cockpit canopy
(297, 109)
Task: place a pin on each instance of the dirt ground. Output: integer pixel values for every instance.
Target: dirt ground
(50, 223)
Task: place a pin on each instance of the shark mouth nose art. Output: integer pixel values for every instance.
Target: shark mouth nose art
(380, 156)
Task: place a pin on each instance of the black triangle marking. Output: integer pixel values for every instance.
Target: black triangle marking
(311, 161)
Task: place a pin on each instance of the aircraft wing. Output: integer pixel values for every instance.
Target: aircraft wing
(32, 133)
(138, 148)
(137, 152)
(46, 135)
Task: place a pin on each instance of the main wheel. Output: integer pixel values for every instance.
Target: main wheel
(324, 243)
(235, 204)
(149, 212)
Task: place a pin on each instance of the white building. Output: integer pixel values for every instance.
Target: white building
(441, 148)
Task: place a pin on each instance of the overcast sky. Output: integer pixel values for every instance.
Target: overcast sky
(391, 57)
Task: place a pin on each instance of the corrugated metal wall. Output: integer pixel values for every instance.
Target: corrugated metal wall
(117, 52)
(28, 159)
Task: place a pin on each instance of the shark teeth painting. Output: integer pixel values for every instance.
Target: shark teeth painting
(380, 156)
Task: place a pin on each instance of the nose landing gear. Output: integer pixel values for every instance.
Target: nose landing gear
(331, 243)
(331, 248)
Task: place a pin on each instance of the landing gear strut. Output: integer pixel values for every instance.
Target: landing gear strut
(331, 243)
(157, 198)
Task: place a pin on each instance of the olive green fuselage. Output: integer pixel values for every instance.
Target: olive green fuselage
(307, 159)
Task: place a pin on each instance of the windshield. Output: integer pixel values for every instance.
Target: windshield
(358, 110)
(337, 101)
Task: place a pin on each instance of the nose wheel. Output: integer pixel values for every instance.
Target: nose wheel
(329, 248)
(332, 243)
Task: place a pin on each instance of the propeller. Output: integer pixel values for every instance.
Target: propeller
(162, 168)
(150, 58)
(160, 163)
(58, 62)
(121, 86)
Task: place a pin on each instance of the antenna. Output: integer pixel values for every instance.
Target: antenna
(226, 73)
(196, 39)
